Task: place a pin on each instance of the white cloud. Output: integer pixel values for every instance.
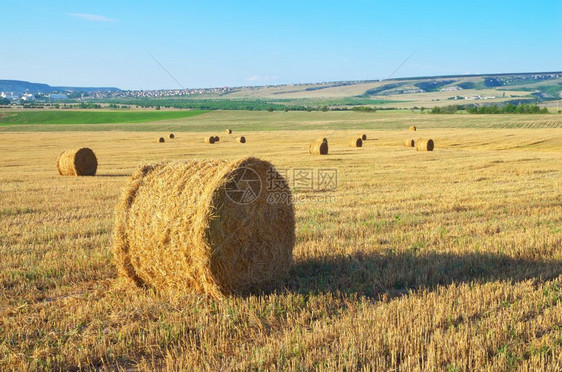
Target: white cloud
(263, 78)
(92, 17)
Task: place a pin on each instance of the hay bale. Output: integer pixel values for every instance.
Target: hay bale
(228, 131)
(410, 143)
(172, 136)
(412, 128)
(355, 142)
(210, 139)
(318, 148)
(78, 162)
(363, 137)
(424, 144)
(217, 139)
(161, 139)
(205, 227)
(322, 139)
(241, 139)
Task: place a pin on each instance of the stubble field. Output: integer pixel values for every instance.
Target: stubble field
(444, 260)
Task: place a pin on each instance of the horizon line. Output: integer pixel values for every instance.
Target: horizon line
(307, 83)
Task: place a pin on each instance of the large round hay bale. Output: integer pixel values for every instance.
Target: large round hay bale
(355, 142)
(412, 128)
(160, 139)
(241, 139)
(217, 138)
(210, 139)
(410, 143)
(78, 162)
(172, 136)
(318, 148)
(205, 227)
(424, 144)
(363, 137)
(228, 131)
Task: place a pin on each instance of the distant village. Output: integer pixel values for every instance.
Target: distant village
(28, 97)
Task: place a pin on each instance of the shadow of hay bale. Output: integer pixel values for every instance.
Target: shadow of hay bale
(114, 175)
(395, 274)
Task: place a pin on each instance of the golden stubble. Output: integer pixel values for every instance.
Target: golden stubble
(449, 259)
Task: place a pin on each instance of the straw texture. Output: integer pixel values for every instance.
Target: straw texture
(188, 227)
(424, 144)
(410, 143)
(77, 162)
(318, 148)
(355, 142)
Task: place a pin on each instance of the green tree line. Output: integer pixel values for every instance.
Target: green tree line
(492, 109)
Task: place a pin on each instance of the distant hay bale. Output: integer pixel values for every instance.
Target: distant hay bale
(210, 139)
(228, 131)
(217, 139)
(241, 139)
(318, 148)
(412, 128)
(355, 142)
(363, 137)
(172, 136)
(322, 139)
(205, 227)
(410, 143)
(78, 162)
(161, 139)
(424, 144)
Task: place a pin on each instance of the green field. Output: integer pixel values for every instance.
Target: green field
(90, 117)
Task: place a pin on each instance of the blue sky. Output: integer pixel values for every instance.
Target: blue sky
(227, 43)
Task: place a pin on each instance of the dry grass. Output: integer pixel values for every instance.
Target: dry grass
(192, 227)
(317, 122)
(78, 162)
(460, 273)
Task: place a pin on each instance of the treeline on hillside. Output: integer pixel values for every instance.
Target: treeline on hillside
(213, 104)
(493, 109)
(344, 104)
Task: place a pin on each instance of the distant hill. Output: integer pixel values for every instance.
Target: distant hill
(18, 87)
(422, 91)
(405, 92)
